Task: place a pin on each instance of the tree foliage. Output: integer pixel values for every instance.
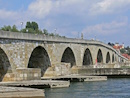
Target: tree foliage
(9, 28)
(111, 44)
(125, 50)
(14, 29)
(45, 32)
(31, 27)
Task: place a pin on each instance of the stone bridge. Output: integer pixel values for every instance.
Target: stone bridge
(23, 50)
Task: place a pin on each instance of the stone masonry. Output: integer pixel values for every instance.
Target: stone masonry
(20, 50)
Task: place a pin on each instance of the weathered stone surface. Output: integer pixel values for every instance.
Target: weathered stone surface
(9, 77)
(37, 83)
(101, 71)
(23, 74)
(61, 69)
(16, 92)
(20, 50)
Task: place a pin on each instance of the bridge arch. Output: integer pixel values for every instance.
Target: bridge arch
(108, 58)
(4, 64)
(39, 59)
(68, 56)
(99, 56)
(113, 58)
(87, 59)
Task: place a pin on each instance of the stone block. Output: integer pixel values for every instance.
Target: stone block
(27, 74)
(9, 77)
(58, 70)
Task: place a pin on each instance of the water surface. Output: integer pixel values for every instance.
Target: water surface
(112, 88)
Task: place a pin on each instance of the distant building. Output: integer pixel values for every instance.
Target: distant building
(118, 47)
(126, 55)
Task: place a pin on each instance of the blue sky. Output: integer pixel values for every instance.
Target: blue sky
(105, 20)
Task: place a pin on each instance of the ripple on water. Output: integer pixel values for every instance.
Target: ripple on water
(112, 88)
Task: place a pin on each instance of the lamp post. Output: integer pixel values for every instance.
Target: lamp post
(55, 30)
(21, 25)
(95, 37)
(78, 35)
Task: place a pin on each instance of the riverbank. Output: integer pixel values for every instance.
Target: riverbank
(19, 92)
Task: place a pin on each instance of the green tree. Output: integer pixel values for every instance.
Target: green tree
(6, 28)
(40, 32)
(14, 29)
(34, 25)
(111, 44)
(28, 25)
(29, 30)
(123, 51)
(127, 48)
(45, 32)
(31, 27)
(9, 28)
(51, 34)
(128, 51)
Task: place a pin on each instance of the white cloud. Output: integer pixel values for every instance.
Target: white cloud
(40, 8)
(4, 14)
(43, 8)
(107, 28)
(109, 6)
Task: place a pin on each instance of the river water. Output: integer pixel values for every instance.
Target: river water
(112, 88)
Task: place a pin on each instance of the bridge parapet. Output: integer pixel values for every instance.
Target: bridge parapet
(45, 39)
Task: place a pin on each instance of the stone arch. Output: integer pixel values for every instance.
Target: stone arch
(108, 57)
(113, 59)
(87, 59)
(122, 60)
(119, 59)
(39, 59)
(99, 56)
(68, 57)
(4, 64)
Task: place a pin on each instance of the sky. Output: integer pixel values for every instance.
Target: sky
(103, 20)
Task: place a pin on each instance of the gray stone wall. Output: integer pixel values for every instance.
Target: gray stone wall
(101, 71)
(18, 50)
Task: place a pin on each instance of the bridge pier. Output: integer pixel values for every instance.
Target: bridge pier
(17, 50)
